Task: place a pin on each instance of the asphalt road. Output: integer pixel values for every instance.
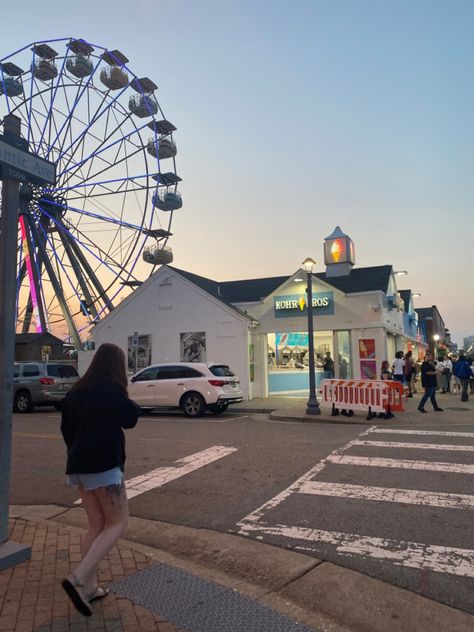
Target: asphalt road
(394, 505)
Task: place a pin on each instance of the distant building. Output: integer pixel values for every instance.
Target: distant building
(433, 329)
(38, 347)
(468, 343)
(260, 326)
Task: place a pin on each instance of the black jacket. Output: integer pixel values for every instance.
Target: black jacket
(91, 426)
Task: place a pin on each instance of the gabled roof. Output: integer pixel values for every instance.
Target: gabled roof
(361, 279)
(254, 290)
(211, 287)
(21, 339)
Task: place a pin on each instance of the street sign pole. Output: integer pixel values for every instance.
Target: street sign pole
(10, 552)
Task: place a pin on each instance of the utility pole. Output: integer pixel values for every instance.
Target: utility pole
(10, 552)
(17, 165)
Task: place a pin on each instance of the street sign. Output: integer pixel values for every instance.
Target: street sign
(135, 340)
(20, 165)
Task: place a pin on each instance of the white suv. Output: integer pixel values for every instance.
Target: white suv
(190, 386)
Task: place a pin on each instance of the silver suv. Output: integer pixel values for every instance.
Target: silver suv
(191, 386)
(41, 384)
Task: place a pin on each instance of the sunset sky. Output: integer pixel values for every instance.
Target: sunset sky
(295, 117)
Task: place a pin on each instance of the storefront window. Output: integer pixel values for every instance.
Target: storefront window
(344, 359)
(288, 361)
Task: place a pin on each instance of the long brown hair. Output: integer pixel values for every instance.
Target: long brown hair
(108, 363)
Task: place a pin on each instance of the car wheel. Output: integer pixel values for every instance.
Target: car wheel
(217, 409)
(193, 405)
(23, 402)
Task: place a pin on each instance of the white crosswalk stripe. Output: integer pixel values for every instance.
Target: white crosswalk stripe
(416, 446)
(388, 494)
(432, 433)
(404, 464)
(415, 555)
(162, 475)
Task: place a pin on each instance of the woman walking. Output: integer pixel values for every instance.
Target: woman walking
(93, 414)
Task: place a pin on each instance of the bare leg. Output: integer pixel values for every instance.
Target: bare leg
(96, 520)
(114, 505)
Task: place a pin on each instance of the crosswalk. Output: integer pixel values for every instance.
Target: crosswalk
(348, 475)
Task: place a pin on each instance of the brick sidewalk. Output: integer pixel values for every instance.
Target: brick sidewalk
(32, 599)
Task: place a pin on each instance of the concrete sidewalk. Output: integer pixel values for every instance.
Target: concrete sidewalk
(285, 408)
(267, 589)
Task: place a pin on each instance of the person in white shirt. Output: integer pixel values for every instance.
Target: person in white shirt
(397, 367)
(443, 369)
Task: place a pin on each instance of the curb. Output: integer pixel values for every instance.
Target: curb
(320, 594)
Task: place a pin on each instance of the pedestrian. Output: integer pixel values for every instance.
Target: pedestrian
(455, 381)
(428, 382)
(385, 373)
(93, 414)
(328, 365)
(409, 372)
(443, 369)
(463, 371)
(448, 373)
(398, 366)
(343, 367)
(416, 372)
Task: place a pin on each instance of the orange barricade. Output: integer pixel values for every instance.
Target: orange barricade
(375, 396)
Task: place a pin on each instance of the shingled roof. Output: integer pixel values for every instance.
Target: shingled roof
(254, 290)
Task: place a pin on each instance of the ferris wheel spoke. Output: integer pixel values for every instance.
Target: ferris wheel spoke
(104, 260)
(110, 165)
(53, 94)
(103, 218)
(76, 103)
(101, 148)
(97, 115)
(101, 183)
(91, 157)
(58, 112)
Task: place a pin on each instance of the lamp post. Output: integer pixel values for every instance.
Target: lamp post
(436, 338)
(312, 407)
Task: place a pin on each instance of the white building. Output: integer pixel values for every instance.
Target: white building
(259, 326)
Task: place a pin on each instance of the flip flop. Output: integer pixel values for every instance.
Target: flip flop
(72, 588)
(99, 593)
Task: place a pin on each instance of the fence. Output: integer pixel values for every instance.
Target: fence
(376, 396)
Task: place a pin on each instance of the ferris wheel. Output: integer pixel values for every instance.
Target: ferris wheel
(87, 238)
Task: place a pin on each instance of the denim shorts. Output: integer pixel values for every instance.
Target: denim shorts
(96, 479)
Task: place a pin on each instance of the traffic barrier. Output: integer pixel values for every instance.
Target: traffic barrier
(376, 396)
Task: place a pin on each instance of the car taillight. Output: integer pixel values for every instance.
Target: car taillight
(219, 382)
(46, 380)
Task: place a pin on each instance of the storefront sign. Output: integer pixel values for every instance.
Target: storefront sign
(295, 304)
(340, 250)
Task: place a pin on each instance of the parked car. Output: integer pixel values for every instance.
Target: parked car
(41, 384)
(191, 386)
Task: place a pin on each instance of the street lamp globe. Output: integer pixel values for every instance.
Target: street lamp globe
(308, 264)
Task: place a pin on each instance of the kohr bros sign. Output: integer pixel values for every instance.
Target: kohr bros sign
(296, 304)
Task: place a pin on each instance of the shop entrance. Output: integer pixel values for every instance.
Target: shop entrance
(288, 361)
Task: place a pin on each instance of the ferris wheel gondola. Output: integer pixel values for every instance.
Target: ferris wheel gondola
(84, 240)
